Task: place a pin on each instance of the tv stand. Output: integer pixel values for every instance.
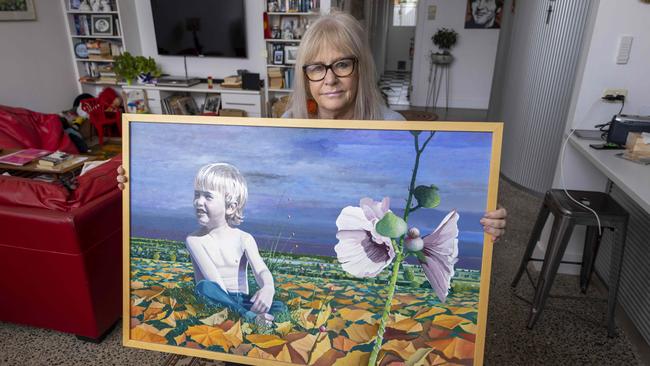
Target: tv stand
(177, 81)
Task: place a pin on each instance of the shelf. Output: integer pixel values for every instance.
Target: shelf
(283, 66)
(291, 13)
(97, 37)
(98, 83)
(278, 40)
(281, 90)
(89, 60)
(90, 12)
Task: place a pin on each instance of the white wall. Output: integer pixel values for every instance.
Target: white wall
(600, 71)
(475, 52)
(36, 70)
(202, 67)
(398, 44)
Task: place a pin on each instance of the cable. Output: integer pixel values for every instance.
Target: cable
(564, 183)
(622, 105)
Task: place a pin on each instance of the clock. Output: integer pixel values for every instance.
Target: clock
(80, 50)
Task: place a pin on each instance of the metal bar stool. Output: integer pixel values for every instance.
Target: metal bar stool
(568, 214)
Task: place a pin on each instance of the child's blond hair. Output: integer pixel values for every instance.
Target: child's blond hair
(225, 179)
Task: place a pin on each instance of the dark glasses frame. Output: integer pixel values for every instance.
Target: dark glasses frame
(329, 67)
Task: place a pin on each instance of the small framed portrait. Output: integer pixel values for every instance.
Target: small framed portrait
(102, 25)
(290, 54)
(211, 104)
(289, 26)
(278, 57)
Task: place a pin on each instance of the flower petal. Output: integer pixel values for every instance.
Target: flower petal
(353, 218)
(373, 210)
(441, 254)
(360, 256)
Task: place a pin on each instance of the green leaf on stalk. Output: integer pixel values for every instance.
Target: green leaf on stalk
(391, 226)
(427, 197)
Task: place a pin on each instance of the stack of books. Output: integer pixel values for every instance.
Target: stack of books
(276, 79)
(53, 159)
(231, 82)
(98, 50)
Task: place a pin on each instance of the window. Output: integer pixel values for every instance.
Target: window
(404, 13)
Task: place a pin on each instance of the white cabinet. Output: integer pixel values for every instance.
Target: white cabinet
(251, 103)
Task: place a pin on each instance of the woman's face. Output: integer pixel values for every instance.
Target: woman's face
(334, 95)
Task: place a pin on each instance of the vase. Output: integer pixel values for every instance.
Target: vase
(145, 78)
(441, 59)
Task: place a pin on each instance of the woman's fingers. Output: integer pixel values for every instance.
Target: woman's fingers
(121, 177)
(500, 213)
(494, 223)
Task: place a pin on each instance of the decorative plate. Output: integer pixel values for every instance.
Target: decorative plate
(80, 50)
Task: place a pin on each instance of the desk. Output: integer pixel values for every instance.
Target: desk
(250, 101)
(630, 187)
(632, 178)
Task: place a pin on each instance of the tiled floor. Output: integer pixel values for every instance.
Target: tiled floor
(395, 84)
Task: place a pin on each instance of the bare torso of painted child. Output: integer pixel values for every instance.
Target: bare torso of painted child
(222, 256)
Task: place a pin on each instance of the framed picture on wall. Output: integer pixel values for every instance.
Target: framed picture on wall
(483, 14)
(290, 54)
(101, 25)
(17, 10)
(315, 215)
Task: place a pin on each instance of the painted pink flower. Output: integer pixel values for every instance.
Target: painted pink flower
(361, 251)
(441, 254)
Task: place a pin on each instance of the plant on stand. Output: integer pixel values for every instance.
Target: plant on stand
(445, 39)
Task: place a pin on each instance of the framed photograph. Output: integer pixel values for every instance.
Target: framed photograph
(483, 14)
(281, 241)
(289, 26)
(212, 104)
(278, 57)
(290, 54)
(101, 25)
(17, 10)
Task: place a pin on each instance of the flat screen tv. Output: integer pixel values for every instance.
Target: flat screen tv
(210, 28)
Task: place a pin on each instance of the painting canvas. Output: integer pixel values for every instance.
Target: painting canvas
(17, 10)
(275, 241)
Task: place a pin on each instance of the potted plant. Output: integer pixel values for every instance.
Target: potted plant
(148, 71)
(130, 67)
(445, 39)
(126, 67)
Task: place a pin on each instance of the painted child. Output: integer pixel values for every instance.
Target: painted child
(221, 253)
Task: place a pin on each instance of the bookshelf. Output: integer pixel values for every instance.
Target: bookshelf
(96, 36)
(285, 21)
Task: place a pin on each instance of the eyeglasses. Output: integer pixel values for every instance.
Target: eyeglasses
(341, 68)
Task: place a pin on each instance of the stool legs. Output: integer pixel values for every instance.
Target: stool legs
(592, 242)
(562, 229)
(614, 275)
(534, 237)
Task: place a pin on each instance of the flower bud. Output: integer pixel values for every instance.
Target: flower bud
(413, 244)
(413, 232)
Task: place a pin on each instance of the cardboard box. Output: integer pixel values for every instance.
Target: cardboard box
(228, 112)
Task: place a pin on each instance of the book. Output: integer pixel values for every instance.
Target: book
(54, 158)
(66, 164)
(22, 157)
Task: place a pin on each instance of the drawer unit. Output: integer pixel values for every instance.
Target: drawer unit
(251, 103)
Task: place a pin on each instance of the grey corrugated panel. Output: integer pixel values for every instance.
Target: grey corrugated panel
(634, 289)
(543, 61)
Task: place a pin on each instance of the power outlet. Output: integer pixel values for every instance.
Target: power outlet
(615, 92)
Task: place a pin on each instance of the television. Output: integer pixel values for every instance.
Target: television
(204, 28)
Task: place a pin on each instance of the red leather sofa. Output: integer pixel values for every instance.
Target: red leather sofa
(60, 250)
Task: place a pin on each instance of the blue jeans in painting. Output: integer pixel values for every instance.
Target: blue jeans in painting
(236, 301)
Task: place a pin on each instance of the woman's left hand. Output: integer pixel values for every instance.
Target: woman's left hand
(494, 223)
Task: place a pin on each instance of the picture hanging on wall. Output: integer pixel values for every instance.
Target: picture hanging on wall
(282, 241)
(17, 10)
(483, 14)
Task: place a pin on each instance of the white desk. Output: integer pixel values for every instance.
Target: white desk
(250, 101)
(632, 178)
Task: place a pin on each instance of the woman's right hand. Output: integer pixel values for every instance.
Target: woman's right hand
(121, 177)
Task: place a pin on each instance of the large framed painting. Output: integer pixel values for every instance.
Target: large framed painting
(308, 242)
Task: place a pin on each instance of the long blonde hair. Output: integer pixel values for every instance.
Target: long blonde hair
(344, 33)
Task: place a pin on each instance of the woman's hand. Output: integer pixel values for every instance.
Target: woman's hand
(263, 299)
(494, 223)
(121, 177)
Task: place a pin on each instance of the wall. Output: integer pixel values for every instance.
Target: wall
(471, 72)
(398, 43)
(202, 67)
(36, 64)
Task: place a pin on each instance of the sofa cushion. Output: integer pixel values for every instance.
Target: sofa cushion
(96, 182)
(24, 192)
(22, 128)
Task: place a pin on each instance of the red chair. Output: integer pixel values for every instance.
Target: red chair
(100, 117)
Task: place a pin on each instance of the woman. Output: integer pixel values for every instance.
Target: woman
(335, 69)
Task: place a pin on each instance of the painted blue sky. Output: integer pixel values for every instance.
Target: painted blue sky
(300, 179)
